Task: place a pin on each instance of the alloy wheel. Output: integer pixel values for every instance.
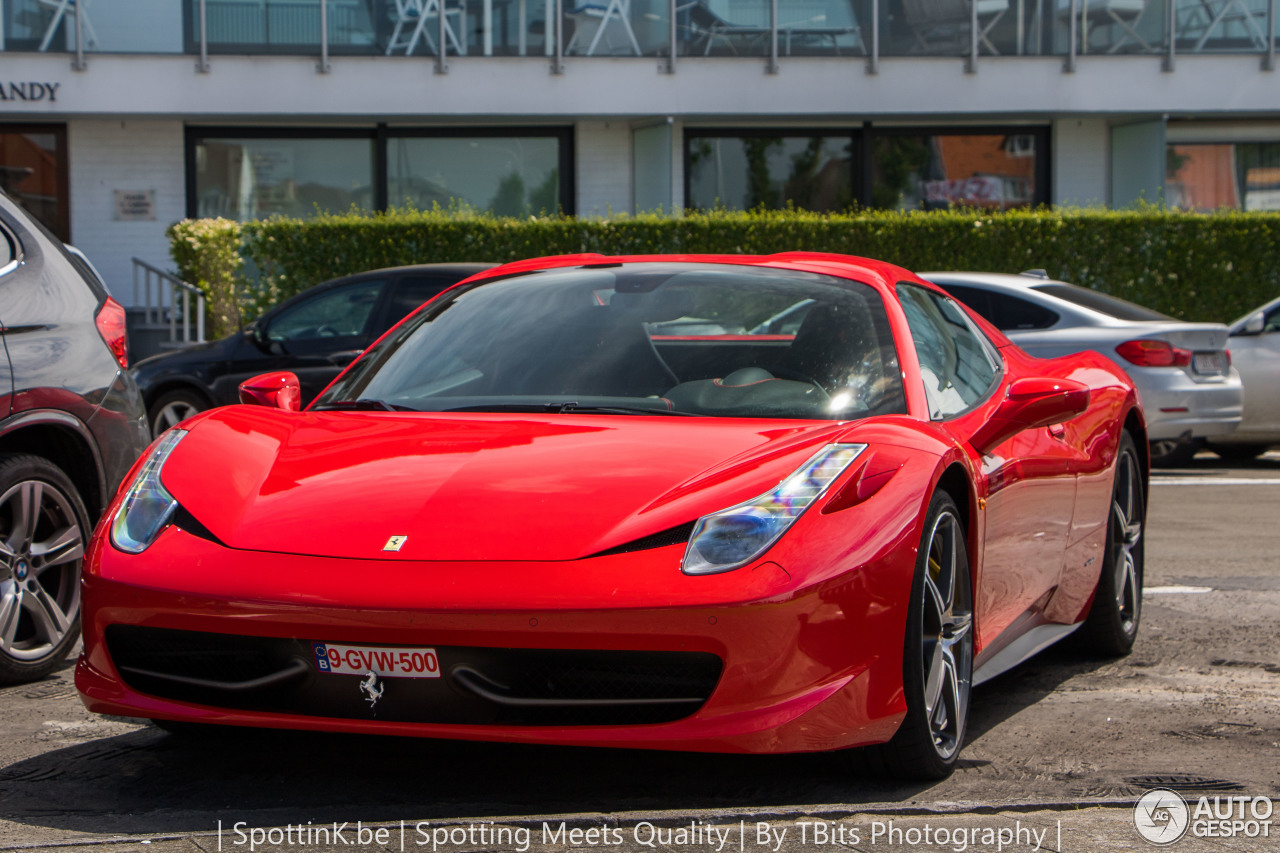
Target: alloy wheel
(1125, 534)
(947, 637)
(41, 545)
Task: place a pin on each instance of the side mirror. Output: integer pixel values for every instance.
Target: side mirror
(1255, 324)
(276, 390)
(1031, 403)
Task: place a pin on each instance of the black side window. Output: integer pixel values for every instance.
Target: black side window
(1014, 314)
(958, 366)
(1006, 312)
(1271, 323)
(409, 293)
(977, 299)
(341, 312)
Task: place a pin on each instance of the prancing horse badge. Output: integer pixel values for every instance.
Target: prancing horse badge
(394, 543)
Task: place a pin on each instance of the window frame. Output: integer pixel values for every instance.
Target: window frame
(862, 140)
(854, 135)
(61, 229)
(379, 135)
(1040, 195)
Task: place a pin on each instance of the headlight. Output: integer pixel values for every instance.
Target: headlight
(733, 537)
(147, 506)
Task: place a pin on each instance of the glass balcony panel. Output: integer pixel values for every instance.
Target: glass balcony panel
(616, 27)
(1109, 26)
(507, 175)
(1221, 26)
(745, 172)
(942, 27)
(723, 27)
(141, 26)
(823, 27)
(285, 26)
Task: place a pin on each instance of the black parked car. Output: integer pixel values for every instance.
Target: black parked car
(71, 424)
(314, 334)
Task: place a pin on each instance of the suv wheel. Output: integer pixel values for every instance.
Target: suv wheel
(43, 532)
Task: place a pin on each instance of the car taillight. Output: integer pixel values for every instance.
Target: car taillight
(1149, 353)
(1227, 352)
(110, 323)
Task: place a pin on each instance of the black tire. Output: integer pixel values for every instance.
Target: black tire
(1172, 453)
(938, 650)
(1112, 624)
(173, 407)
(1239, 452)
(39, 587)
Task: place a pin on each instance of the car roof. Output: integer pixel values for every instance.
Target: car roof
(1000, 280)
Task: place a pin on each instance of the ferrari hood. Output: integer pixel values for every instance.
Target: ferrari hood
(474, 486)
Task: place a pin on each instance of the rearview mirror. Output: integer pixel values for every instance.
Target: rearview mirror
(278, 390)
(1031, 403)
(1255, 324)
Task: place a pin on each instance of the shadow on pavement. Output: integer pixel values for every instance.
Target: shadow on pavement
(148, 781)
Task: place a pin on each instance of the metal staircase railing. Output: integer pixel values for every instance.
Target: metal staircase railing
(163, 297)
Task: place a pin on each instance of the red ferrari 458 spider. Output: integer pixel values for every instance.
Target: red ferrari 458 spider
(754, 504)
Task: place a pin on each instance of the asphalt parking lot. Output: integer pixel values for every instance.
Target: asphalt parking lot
(1196, 707)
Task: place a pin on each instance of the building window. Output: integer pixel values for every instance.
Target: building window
(828, 170)
(508, 174)
(253, 173)
(246, 176)
(746, 170)
(33, 172)
(1240, 176)
(998, 170)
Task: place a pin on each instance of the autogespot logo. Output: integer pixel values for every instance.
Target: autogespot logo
(1161, 816)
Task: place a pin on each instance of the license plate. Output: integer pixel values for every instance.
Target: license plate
(396, 662)
(1209, 362)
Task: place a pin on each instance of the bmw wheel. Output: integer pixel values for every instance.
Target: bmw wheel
(43, 532)
(1112, 624)
(937, 669)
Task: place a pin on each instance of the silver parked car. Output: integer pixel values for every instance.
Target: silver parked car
(1190, 391)
(1255, 349)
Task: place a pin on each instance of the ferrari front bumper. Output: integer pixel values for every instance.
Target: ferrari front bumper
(619, 650)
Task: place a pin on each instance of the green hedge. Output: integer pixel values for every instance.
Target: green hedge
(1189, 265)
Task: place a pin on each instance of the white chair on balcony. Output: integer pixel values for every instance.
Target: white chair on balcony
(411, 17)
(1116, 14)
(949, 20)
(65, 10)
(594, 18)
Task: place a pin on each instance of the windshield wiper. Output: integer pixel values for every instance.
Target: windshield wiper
(566, 408)
(364, 404)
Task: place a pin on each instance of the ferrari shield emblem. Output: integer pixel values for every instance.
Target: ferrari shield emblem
(394, 543)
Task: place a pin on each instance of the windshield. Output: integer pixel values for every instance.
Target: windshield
(1103, 303)
(643, 338)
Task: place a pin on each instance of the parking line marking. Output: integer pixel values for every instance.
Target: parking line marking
(1168, 590)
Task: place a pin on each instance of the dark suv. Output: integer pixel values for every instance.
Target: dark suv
(71, 425)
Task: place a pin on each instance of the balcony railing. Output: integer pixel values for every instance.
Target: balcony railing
(663, 29)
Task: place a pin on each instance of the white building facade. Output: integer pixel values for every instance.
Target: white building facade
(119, 117)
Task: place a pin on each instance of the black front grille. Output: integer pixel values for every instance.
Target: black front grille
(478, 686)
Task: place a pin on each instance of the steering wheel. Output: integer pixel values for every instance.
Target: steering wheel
(327, 331)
